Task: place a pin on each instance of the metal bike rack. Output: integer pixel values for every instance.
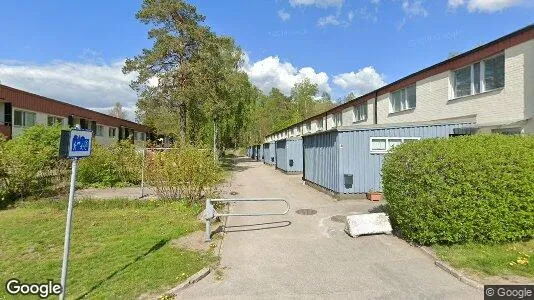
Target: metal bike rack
(210, 213)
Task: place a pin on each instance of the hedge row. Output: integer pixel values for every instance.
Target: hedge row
(465, 189)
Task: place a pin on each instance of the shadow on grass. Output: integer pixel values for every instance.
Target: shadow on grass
(154, 248)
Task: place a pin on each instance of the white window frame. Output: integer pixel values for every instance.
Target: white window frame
(114, 130)
(320, 124)
(56, 119)
(357, 114)
(338, 119)
(99, 130)
(403, 91)
(482, 75)
(388, 146)
(23, 118)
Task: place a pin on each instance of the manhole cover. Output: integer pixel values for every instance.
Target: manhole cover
(306, 211)
(233, 193)
(338, 218)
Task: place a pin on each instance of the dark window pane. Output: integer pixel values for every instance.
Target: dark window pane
(462, 82)
(18, 118)
(494, 72)
(411, 96)
(476, 77)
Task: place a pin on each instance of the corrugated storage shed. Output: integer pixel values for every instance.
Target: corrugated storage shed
(260, 153)
(266, 156)
(289, 155)
(348, 160)
(272, 154)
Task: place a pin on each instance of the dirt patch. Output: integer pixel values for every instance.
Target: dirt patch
(194, 241)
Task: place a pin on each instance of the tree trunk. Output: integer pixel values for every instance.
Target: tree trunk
(215, 155)
(183, 122)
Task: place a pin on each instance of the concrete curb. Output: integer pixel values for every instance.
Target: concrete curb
(188, 282)
(445, 267)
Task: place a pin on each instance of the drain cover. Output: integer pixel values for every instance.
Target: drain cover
(233, 193)
(306, 211)
(338, 218)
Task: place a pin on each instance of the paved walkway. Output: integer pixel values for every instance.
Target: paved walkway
(309, 256)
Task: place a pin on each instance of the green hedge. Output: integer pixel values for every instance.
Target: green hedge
(111, 166)
(465, 189)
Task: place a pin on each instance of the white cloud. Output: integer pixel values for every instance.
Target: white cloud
(414, 8)
(318, 3)
(90, 85)
(337, 20)
(487, 6)
(328, 20)
(360, 82)
(284, 15)
(270, 73)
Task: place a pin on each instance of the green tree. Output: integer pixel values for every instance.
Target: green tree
(178, 36)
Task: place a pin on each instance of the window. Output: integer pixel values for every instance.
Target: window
(308, 127)
(338, 119)
(320, 124)
(112, 132)
(494, 73)
(403, 99)
(360, 112)
(381, 145)
(508, 131)
(51, 120)
(462, 82)
(479, 77)
(99, 130)
(24, 118)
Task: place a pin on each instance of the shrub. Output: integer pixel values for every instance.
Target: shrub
(109, 166)
(185, 173)
(465, 189)
(30, 166)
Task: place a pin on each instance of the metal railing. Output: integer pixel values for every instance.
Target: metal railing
(210, 213)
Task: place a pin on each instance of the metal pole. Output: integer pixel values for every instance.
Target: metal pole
(207, 218)
(66, 247)
(143, 174)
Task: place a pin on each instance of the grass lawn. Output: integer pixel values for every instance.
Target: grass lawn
(119, 248)
(515, 259)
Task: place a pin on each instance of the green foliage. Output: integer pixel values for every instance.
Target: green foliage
(109, 166)
(465, 189)
(185, 173)
(120, 249)
(29, 164)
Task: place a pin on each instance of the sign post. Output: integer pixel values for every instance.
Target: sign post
(74, 144)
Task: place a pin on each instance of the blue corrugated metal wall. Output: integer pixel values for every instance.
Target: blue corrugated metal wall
(272, 154)
(266, 156)
(260, 153)
(321, 160)
(294, 152)
(329, 156)
(281, 155)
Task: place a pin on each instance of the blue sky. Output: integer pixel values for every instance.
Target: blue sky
(73, 50)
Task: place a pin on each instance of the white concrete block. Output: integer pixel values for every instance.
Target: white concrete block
(368, 224)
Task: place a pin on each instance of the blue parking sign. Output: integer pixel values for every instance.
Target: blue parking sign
(80, 143)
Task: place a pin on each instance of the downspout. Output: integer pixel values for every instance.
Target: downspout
(375, 110)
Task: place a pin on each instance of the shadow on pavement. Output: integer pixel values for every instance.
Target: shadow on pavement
(258, 226)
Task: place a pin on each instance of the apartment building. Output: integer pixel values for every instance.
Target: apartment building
(493, 84)
(20, 110)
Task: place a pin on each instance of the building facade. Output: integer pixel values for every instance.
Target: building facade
(493, 83)
(20, 110)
